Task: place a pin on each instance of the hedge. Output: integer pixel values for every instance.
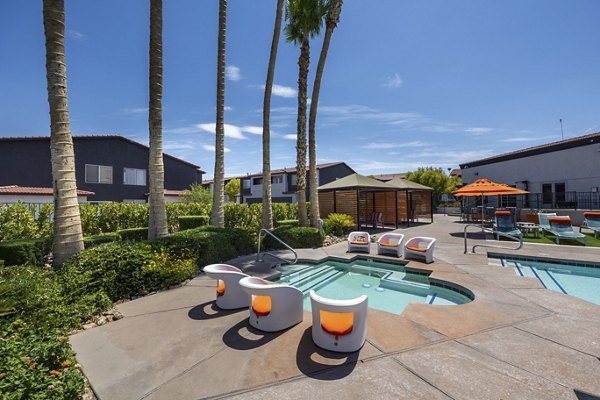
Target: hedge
(135, 234)
(208, 244)
(92, 241)
(192, 221)
(25, 251)
(286, 222)
(296, 237)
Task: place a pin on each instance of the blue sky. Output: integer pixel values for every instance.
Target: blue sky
(407, 83)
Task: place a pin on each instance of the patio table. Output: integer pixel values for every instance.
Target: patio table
(528, 227)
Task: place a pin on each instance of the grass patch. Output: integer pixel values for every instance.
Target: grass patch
(550, 239)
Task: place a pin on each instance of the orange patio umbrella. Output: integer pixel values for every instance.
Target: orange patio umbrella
(485, 187)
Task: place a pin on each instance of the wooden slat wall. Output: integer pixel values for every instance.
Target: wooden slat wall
(325, 204)
(346, 203)
(402, 207)
(422, 204)
(384, 203)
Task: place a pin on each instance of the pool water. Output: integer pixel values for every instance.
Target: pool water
(582, 280)
(389, 286)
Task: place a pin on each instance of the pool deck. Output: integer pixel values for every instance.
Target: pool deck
(516, 340)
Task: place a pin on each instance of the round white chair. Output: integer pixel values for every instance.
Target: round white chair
(390, 243)
(229, 293)
(420, 247)
(359, 241)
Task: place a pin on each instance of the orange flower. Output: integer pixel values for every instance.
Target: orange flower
(66, 363)
(54, 372)
(63, 338)
(27, 359)
(20, 329)
(32, 366)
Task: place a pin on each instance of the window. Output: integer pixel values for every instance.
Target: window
(246, 184)
(547, 193)
(559, 192)
(277, 179)
(293, 180)
(257, 181)
(98, 174)
(133, 176)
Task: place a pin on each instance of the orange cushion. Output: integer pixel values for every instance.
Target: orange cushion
(503, 212)
(591, 214)
(337, 324)
(388, 244)
(220, 288)
(414, 248)
(261, 305)
(359, 242)
(563, 220)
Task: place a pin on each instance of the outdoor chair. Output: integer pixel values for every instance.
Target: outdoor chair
(543, 221)
(390, 243)
(339, 325)
(420, 247)
(561, 228)
(591, 221)
(505, 223)
(229, 294)
(274, 307)
(359, 241)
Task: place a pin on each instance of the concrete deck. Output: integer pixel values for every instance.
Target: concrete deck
(516, 340)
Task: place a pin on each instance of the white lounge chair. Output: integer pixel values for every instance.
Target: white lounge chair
(543, 221)
(390, 243)
(591, 221)
(420, 247)
(359, 241)
(339, 325)
(561, 228)
(229, 293)
(274, 307)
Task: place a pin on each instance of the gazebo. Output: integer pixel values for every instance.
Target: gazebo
(400, 201)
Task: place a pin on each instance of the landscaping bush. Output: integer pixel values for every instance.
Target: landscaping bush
(26, 251)
(286, 222)
(337, 224)
(296, 237)
(192, 221)
(92, 241)
(127, 269)
(208, 244)
(17, 221)
(135, 234)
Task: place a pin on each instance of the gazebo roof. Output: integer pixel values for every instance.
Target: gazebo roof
(405, 184)
(356, 181)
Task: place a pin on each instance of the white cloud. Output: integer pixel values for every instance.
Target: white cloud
(73, 34)
(478, 131)
(232, 73)
(211, 148)
(138, 110)
(386, 145)
(231, 131)
(227, 108)
(178, 146)
(254, 130)
(528, 138)
(283, 91)
(291, 136)
(393, 82)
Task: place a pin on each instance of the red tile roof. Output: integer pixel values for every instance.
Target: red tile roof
(36, 191)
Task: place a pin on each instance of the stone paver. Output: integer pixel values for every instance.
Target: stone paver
(514, 341)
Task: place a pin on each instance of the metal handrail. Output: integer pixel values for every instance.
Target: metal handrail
(258, 258)
(520, 239)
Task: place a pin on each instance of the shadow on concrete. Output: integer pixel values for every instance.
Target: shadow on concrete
(209, 310)
(322, 364)
(234, 339)
(471, 235)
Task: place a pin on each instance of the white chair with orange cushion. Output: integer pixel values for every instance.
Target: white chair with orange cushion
(359, 241)
(420, 247)
(390, 243)
(339, 325)
(273, 307)
(229, 293)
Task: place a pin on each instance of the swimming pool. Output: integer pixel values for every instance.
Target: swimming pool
(390, 287)
(573, 278)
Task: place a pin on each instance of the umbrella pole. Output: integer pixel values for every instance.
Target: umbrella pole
(482, 211)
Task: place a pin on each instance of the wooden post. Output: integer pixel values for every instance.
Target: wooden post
(396, 208)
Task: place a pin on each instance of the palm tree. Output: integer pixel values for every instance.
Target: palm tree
(267, 213)
(68, 238)
(331, 21)
(305, 18)
(157, 221)
(217, 216)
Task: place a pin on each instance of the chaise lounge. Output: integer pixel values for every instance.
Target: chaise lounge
(504, 223)
(591, 221)
(561, 228)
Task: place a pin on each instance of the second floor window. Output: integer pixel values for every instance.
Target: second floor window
(98, 174)
(134, 176)
(257, 181)
(246, 183)
(293, 180)
(277, 179)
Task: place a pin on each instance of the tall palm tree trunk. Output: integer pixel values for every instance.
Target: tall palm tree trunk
(68, 238)
(217, 217)
(157, 221)
(267, 202)
(332, 19)
(303, 63)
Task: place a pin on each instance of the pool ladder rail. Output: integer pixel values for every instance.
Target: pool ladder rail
(520, 239)
(285, 260)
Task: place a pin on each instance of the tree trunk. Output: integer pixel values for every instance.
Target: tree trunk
(157, 221)
(333, 17)
(267, 201)
(217, 217)
(303, 63)
(68, 238)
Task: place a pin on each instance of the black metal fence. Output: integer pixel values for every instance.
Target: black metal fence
(560, 200)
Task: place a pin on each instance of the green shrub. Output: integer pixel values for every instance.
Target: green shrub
(17, 221)
(91, 241)
(208, 244)
(192, 221)
(286, 222)
(126, 269)
(176, 210)
(296, 237)
(135, 234)
(26, 251)
(337, 224)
